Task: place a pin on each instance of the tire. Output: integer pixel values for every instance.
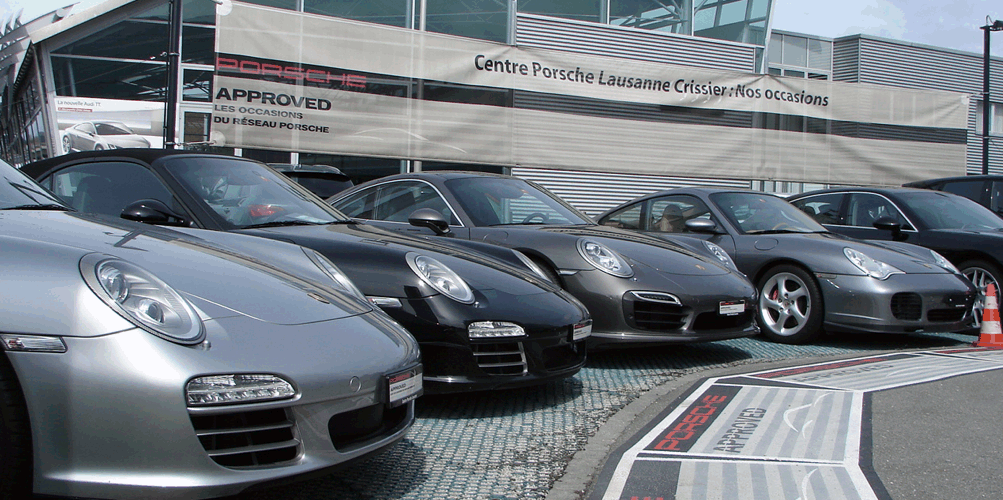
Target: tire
(790, 306)
(15, 436)
(981, 273)
(98, 147)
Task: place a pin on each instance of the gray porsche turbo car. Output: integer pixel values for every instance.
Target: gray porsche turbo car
(141, 362)
(640, 289)
(809, 278)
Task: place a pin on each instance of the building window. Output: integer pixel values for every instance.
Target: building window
(359, 168)
(672, 16)
(580, 10)
(995, 118)
(389, 12)
(800, 57)
(197, 85)
(85, 77)
(482, 19)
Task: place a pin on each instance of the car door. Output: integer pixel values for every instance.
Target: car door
(389, 205)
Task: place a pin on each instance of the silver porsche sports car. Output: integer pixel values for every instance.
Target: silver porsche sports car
(141, 362)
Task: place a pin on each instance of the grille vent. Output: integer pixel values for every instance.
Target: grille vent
(507, 358)
(248, 439)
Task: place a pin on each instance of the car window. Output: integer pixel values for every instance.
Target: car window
(360, 205)
(996, 197)
(824, 208)
(627, 218)
(947, 211)
(969, 189)
(108, 187)
(398, 200)
(669, 214)
(490, 201)
(865, 208)
(246, 193)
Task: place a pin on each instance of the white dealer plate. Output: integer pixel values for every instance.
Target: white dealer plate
(404, 386)
(730, 308)
(581, 331)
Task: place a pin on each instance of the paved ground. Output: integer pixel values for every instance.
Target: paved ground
(518, 444)
(878, 426)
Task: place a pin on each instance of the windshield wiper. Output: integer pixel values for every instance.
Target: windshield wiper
(775, 231)
(280, 223)
(43, 206)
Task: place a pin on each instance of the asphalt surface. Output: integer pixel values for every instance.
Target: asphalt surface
(553, 441)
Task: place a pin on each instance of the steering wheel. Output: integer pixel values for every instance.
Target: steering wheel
(781, 226)
(542, 216)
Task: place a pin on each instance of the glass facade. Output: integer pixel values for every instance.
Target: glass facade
(127, 60)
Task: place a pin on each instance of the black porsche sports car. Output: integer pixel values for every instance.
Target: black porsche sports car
(808, 277)
(640, 289)
(482, 318)
(966, 233)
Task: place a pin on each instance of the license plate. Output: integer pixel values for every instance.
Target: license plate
(731, 308)
(404, 386)
(581, 331)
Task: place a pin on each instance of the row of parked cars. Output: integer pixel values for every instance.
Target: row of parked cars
(208, 312)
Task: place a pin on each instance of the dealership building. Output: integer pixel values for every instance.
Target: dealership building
(599, 100)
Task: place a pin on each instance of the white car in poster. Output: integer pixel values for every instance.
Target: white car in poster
(98, 135)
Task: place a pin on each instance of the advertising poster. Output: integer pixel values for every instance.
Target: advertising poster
(299, 82)
(87, 124)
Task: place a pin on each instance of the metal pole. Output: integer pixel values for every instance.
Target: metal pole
(173, 69)
(986, 103)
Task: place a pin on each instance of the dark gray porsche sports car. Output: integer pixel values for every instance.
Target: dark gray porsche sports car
(640, 289)
(483, 320)
(808, 277)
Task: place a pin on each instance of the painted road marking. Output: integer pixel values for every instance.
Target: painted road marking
(790, 433)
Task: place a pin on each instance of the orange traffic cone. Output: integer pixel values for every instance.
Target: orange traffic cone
(990, 335)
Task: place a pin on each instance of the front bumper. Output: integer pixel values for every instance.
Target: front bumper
(663, 308)
(109, 417)
(903, 303)
(454, 362)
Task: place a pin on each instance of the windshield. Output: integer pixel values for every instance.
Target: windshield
(756, 213)
(19, 191)
(942, 211)
(494, 201)
(245, 194)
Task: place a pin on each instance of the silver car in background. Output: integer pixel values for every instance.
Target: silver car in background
(142, 362)
(98, 135)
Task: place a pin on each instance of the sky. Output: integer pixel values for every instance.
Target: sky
(950, 24)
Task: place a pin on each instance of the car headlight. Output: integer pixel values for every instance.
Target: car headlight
(721, 255)
(942, 262)
(440, 277)
(531, 265)
(142, 298)
(237, 388)
(604, 259)
(870, 267)
(332, 271)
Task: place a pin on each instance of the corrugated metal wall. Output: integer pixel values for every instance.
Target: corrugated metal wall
(594, 192)
(615, 41)
(879, 61)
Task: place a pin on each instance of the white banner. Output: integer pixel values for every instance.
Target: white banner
(299, 82)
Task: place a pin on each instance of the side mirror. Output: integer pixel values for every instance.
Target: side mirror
(886, 223)
(152, 212)
(701, 226)
(432, 219)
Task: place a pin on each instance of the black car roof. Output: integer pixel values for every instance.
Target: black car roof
(930, 182)
(148, 155)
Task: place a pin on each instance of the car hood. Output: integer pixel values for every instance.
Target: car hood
(828, 247)
(219, 280)
(375, 260)
(638, 248)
